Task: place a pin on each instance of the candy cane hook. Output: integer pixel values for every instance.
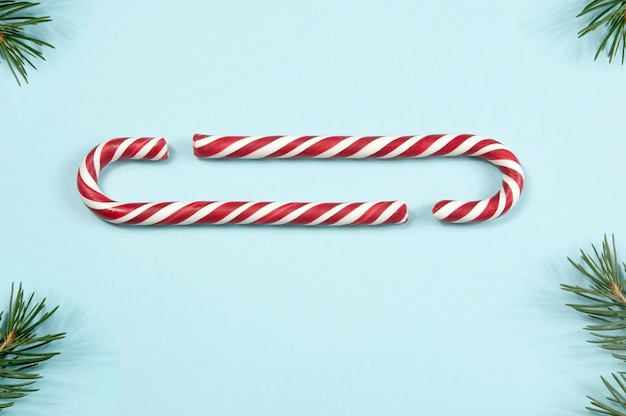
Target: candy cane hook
(325, 213)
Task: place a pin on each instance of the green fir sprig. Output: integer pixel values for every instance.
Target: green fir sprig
(605, 303)
(21, 348)
(17, 48)
(609, 16)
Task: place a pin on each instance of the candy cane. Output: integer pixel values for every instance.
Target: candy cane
(277, 213)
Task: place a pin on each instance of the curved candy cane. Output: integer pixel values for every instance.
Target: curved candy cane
(324, 213)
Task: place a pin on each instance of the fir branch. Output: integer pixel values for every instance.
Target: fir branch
(610, 16)
(21, 347)
(17, 48)
(605, 297)
(605, 303)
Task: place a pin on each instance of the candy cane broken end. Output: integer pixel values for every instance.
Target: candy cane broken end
(149, 148)
(460, 212)
(448, 211)
(399, 214)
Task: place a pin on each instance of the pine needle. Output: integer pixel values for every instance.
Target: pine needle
(21, 347)
(17, 48)
(608, 16)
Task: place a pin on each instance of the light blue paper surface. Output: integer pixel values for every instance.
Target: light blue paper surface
(422, 318)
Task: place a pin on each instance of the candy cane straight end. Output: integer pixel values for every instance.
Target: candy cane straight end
(400, 216)
(405, 217)
(197, 143)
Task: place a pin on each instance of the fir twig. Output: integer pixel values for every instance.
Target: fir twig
(605, 303)
(610, 15)
(17, 48)
(21, 347)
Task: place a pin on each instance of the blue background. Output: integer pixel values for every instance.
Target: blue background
(419, 318)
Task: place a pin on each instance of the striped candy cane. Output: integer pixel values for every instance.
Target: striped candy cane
(276, 213)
